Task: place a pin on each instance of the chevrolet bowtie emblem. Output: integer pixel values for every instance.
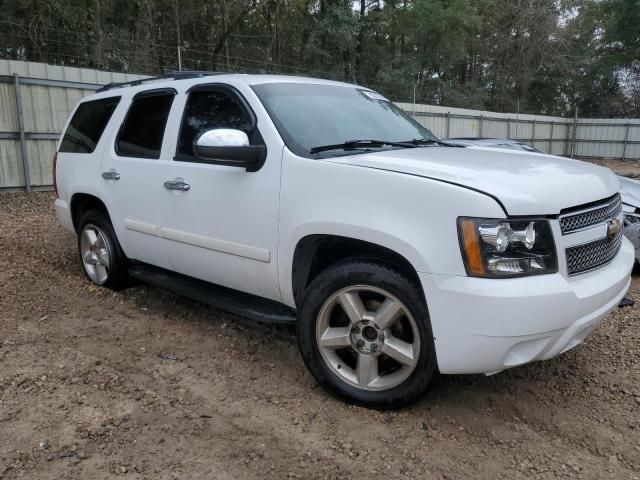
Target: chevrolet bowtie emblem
(614, 227)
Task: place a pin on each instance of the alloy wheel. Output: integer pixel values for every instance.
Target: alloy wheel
(95, 253)
(368, 338)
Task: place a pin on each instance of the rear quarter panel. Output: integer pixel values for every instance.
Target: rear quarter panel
(81, 172)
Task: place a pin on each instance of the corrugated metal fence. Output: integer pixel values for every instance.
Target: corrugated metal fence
(36, 99)
(573, 137)
(35, 102)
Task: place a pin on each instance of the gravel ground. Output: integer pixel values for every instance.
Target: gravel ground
(84, 394)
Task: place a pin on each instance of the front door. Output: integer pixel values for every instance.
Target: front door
(223, 221)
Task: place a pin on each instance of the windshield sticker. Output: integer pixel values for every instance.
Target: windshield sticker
(373, 95)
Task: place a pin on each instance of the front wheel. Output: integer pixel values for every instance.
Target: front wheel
(365, 335)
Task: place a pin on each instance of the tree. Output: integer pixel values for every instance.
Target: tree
(541, 56)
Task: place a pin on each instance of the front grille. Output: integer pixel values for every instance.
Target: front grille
(600, 213)
(586, 257)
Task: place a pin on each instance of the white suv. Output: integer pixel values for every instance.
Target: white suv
(300, 200)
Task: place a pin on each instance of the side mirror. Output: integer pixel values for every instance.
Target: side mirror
(226, 146)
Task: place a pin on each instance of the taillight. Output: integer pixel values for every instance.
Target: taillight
(55, 183)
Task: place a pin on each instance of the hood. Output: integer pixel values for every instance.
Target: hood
(630, 191)
(525, 183)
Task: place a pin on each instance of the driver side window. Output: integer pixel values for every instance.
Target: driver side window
(206, 110)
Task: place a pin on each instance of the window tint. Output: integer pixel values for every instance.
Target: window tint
(86, 126)
(206, 110)
(143, 129)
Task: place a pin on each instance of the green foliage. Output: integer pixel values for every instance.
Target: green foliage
(537, 56)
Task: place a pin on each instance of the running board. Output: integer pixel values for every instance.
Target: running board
(234, 301)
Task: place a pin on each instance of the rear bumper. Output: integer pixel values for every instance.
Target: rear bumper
(63, 213)
(487, 325)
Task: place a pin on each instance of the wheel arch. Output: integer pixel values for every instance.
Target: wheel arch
(315, 252)
(83, 202)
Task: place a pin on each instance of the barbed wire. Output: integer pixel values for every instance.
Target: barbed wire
(185, 50)
(120, 56)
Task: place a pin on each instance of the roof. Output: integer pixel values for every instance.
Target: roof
(190, 78)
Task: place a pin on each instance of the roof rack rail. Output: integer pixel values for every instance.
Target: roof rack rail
(177, 75)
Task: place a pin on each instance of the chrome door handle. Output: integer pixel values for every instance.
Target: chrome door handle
(111, 175)
(178, 185)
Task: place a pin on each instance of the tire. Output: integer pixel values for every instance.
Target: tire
(101, 256)
(339, 349)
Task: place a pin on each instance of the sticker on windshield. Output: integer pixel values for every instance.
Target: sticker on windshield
(373, 95)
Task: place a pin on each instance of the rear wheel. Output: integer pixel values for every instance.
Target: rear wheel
(365, 335)
(102, 259)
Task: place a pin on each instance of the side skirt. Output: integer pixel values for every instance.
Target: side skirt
(234, 301)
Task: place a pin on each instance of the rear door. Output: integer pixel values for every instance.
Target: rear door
(134, 168)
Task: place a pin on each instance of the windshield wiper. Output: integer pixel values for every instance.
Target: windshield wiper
(431, 141)
(353, 144)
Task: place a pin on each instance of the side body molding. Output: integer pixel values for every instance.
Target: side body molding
(210, 243)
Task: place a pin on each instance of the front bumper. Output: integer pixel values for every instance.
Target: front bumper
(486, 325)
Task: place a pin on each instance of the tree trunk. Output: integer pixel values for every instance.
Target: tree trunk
(176, 12)
(360, 45)
(97, 22)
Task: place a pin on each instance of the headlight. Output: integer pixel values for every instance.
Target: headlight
(506, 248)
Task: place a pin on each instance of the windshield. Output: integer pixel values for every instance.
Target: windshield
(309, 116)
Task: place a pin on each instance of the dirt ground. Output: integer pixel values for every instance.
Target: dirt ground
(85, 395)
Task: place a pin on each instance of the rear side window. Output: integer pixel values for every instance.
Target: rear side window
(87, 124)
(206, 110)
(143, 128)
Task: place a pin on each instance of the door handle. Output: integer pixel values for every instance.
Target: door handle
(177, 184)
(111, 175)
